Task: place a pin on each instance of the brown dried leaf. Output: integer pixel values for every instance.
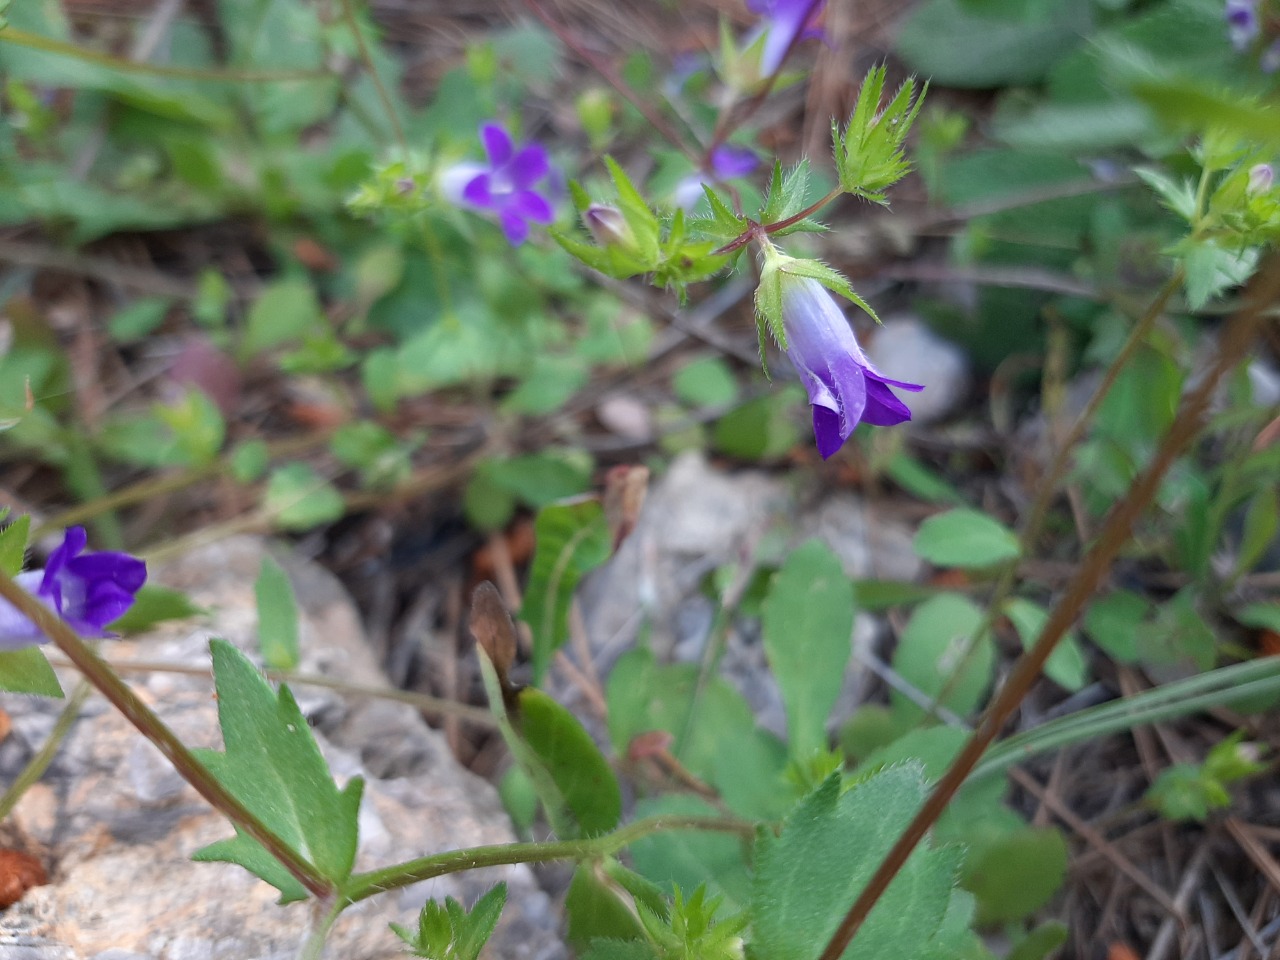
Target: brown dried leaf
(491, 625)
(19, 872)
(624, 492)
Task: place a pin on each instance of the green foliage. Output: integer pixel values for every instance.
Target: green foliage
(1013, 870)
(27, 671)
(154, 604)
(586, 790)
(807, 623)
(1066, 666)
(1188, 791)
(939, 656)
(809, 875)
(869, 154)
(298, 498)
(277, 616)
(273, 766)
(448, 931)
(965, 538)
(571, 539)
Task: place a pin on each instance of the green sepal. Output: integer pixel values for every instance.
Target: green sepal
(641, 219)
(833, 280)
(786, 194)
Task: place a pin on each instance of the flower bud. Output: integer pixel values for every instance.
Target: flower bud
(1260, 178)
(608, 226)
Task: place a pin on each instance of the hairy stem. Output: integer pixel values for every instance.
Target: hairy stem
(1093, 568)
(364, 885)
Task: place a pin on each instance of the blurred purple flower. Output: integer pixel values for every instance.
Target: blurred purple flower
(1242, 22)
(844, 388)
(1269, 62)
(506, 186)
(785, 23)
(87, 590)
(1261, 176)
(729, 161)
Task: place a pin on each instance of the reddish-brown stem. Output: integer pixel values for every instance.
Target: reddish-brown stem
(1095, 565)
(97, 672)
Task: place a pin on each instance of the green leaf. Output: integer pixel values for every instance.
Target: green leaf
(571, 539)
(581, 774)
(620, 950)
(154, 604)
(762, 429)
(787, 193)
(642, 221)
(1066, 666)
(277, 616)
(807, 623)
(27, 671)
(1041, 942)
(1017, 874)
(448, 931)
(13, 545)
(934, 649)
(300, 499)
(705, 383)
(596, 909)
(1178, 634)
(869, 151)
(286, 310)
(1112, 623)
(1263, 616)
(540, 479)
(960, 47)
(831, 844)
(274, 767)
(1212, 269)
(691, 858)
(138, 319)
(965, 538)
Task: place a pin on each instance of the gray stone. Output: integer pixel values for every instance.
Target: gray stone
(905, 348)
(120, 832)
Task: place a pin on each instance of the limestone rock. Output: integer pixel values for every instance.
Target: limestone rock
(117, 827)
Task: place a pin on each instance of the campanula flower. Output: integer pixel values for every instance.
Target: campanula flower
(1242, 22)
(87, 590)
(506, 187)
(784, 23)
(844, 388)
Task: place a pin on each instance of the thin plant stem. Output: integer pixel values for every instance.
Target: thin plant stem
(38, 764)
(1048, 486)
(361, 886)
(422, 701)
(324, 912)
(366, 58)
(99, 673)
(24, 38)
(1096, 564)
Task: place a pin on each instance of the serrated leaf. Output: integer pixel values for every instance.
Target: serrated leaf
(935, 657)
(570, 539)
(581, 774)
(449, 931)
(13, 545)
(808, 876)
(786, 194)
(965, 538)
(27, 671)
(277, 616)
(273, 765)
(1178, 197)
(807, 623)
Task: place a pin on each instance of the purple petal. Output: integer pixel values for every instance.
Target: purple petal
(531, 206)
(497, 144)
(479, 191)
(528, 166)
(730, 161)
(884, 408)
(826, 431)
(514, 226)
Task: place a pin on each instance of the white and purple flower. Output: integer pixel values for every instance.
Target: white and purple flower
(784, 24)
(87, 590)
(728, 161)
(506, 187)
(1242, 22)
(844, 388)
